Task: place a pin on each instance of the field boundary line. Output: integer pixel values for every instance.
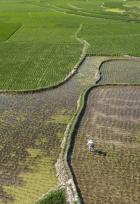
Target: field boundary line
(12, 34)
(86, 45)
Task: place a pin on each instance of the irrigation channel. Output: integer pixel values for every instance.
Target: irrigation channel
(32, 126)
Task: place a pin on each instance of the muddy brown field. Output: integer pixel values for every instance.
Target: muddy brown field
(110, 174)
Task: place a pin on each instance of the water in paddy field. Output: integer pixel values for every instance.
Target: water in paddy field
(32, 127)
(120, 71)
(110, 174)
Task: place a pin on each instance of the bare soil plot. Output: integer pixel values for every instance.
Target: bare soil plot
(111, 174)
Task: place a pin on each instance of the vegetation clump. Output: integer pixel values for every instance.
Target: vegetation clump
(53, 197)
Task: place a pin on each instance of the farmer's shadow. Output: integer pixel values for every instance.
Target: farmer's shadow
(100, 152)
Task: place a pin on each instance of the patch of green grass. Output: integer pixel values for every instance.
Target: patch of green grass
(62, 119)
(32, 189)
(54, 197)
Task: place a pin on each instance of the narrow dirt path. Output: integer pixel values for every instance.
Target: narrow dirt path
(85, 44)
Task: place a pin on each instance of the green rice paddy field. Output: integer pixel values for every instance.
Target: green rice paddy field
(41, 41)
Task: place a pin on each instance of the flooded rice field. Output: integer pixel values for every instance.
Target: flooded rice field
(111, 173)
(120, 71)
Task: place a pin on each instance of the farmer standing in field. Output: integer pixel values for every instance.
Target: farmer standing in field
(91, 145)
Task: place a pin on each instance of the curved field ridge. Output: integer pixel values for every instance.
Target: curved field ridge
(111, 173)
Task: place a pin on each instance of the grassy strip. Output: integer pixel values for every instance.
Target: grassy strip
(53, 197)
